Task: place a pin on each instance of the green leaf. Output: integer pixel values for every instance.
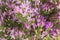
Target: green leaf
(22, 19)
(2, 28)
(47, 38)
(22, 1)
(8, 37)
(55, 1)
(44, 13)
(1, 33)
(44, 1)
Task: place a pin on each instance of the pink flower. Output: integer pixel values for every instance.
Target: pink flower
(58, 5)
(20, 33)
(34, 25)
(27, 25)
(58, 16)
(0, 23)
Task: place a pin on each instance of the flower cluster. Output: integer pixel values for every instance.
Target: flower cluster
(29, 19)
